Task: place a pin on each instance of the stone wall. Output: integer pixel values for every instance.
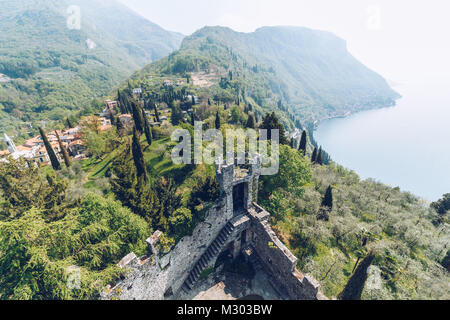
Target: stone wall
(279, 261)
(161, 275)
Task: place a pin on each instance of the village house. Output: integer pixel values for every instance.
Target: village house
(111, 107)
(168, 83)
(137, 92)
(34, 151)
(125, 118)
(77, 148)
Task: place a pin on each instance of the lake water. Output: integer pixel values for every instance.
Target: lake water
(406, 146)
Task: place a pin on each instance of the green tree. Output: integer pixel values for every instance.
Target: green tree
(169, 201)
(23, 186)
(119, 126)
(69, 123)
(147, 129)
(271, 122)
(442, 206)
(136, 196)
(156, 112)
(111, 117)
(236, 115)
(217, 122)
(138, 157)
(446, 261)
(51, 154)
(137, 117)
(328, 198)
(303, 142)
(319, 159)
(326, 206)
(97, 143)
(36, 255)
(193, 118)
(63, 150)
(205, 190)
(293, 174)
(177, 115)
(314, 155)
(181, 222)
(123, 102)
(251, 123)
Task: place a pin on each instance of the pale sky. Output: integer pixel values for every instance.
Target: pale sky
(404, 40)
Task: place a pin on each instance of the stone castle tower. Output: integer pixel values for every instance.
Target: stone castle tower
(234, 224)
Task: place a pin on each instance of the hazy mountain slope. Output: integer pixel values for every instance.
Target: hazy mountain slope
(49, 68)
(140, 37)
(311, 71)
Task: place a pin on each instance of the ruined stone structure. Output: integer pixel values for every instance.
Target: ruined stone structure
(234, 224)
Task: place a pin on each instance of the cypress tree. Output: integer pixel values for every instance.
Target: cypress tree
(138, 157)
(314, 155)
(303, 142)
(355, 284)
(119, 126)
(156, 112)
(147, 129)
(319, 159)
(251, 122)
(328, 199)
(177, 115)
(122, 103)
(111, 117)
(137, 117)
(63, 150)
(217, 120)
(69, 123)
(51, 154)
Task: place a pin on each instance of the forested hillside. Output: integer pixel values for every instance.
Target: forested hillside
(48, 70)
(92, 212)
(309, 72)
(334, 220)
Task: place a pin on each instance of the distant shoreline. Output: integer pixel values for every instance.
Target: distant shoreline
(317, 123)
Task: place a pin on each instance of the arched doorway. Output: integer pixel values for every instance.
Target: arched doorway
(240, 197)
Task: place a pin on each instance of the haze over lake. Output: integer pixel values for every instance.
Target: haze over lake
(405, 146)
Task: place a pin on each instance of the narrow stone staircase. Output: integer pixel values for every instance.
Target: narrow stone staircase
(213, 251)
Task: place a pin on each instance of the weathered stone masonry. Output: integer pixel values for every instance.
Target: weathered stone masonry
(233, 224)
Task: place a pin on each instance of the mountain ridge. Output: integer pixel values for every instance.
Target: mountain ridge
(311, 71)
